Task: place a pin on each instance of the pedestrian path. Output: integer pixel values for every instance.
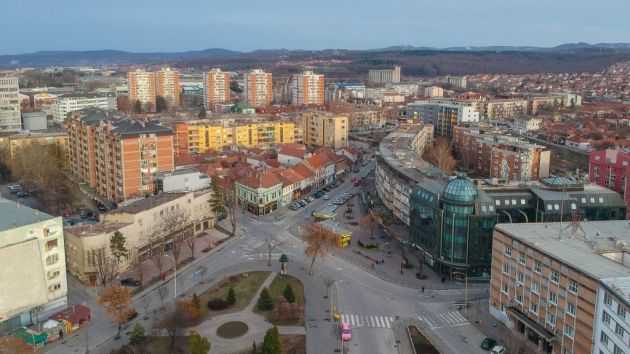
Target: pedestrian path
(438, 320)
(367, 321)
(252, 244)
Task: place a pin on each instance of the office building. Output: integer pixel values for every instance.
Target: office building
(216, 88)
(64, 104)
(167, 86)
(118, 156)
(384, 76)
(32, 265)
(10, 119)
(307, 88)
(324, 129)
(563, 288)
(258, 88)
(142, 88)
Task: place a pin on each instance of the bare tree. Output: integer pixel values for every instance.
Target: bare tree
(175, 320)
(271, 243)
(145, 302)
(104, 264)
(224, 201)
(441, 155)
(175, 222)
(370, 222)
(231, 206)
(191, 243)
(319, 240)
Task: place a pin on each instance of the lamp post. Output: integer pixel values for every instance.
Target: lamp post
(175, 266)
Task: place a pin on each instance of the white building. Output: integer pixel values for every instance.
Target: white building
(32, 265)
(457, 81)
(182, 180)
(69, 103)
(307, 88)
(384, 76)
(433, 91)
(216, 88)
(404, 89)
(525, 124)
(10, 119)
(612, 321)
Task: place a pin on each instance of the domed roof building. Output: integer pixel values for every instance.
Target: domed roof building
(460, 189)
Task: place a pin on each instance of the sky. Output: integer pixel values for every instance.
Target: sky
(245, 25)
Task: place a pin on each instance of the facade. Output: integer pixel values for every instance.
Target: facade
(563, 288)
(308, 88)
(433, 91)
(524, 125)
(32, 265)
(200, 137)
(10, 119)
(142, 88)
(11, 144)
(490, 153)
(118, 156)
(443, 116)
(260, 192)
(384, 76)
(181, 180)
(610, 168)
(324, 130)
(258, 88)
(457, 81)
(216, 88)
(65, 104)
(34, 121)
(167, 86)
(399, 166)
(452, 221)
(147, 225)
(366, 120)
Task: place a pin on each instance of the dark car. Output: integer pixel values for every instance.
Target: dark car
(86, 214)
(101, 207)
(132, 314)
(488, 343)
(22, 194)
(130, 282)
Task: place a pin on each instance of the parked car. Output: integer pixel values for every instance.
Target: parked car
(326, 197)
(498, 350)
(353, 179)
(22, 194)
(132, 314)
(303, 202)
(101, 207)
(310, 199)
(488, 343)
(130, 282)
(346, 332)
(294, 206)
(220, 216)
(15, 188)
(86, 214)
(338, 201)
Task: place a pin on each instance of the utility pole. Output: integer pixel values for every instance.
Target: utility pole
(175, 266)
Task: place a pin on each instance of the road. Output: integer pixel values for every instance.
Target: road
(368, 303)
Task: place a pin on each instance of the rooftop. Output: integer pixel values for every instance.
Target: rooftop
(148, 203)
(17, 215)
(396, 150)
(93, 230)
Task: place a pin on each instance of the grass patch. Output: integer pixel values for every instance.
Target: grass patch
(291, 343)
(245, 288)
(276, 288)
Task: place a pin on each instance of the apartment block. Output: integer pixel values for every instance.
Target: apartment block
(307, 88)
(118, 156)
(384, 76)
(563, 287)
(167, 86)
(366, 120)
(62, 105)
(610, 168)
(200, 137)
(501, 109)
(216, 88)
(258, 88)
(443, 116)
(10, 119)
(324, 129)
(32, 266)
(142, 88)
(14, 142)
(456, 81)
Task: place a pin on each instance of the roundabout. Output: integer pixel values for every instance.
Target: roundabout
(232, 329)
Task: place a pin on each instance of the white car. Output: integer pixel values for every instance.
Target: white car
(326, 197)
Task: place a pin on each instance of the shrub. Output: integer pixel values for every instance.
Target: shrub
(137, 335)
(289, 294)
(272, 343)
(218, 304)
(360, 244)
(231, 297)
(264, 301)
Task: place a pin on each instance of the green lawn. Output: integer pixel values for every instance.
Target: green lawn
(276, 288)
(244, 287)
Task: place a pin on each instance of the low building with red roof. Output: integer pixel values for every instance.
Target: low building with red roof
(259, 192)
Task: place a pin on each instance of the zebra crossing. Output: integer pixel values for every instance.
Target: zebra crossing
(453, 318)
(253, 243)
(367, 321)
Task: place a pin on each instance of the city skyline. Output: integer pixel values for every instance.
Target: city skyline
(249, 25)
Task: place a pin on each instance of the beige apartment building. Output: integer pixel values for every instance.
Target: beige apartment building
(366, 120)
(258, 88)
(308, 88)
(324, 129)
(32, 268)
(167, 86)
(142, 88)
(216, 88)
(147, 225)
(555, 284)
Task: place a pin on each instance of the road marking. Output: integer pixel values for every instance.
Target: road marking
(352, 320)
(378, 322)
(386, 320)
(372, 320)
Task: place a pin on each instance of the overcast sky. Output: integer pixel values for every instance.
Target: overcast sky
(161, 25)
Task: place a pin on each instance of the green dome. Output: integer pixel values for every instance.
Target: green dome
(460, 189)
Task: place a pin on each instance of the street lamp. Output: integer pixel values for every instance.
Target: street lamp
(175, 265)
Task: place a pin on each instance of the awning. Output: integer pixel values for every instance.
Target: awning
(531, 324)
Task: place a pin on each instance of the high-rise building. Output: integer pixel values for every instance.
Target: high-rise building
(10, 119)
(167, 86)
(384, 76)
(258, 88)
(118, 156)
(307, 88)
(32, 265)
(324, 130)
(142, 88)
(216, 88)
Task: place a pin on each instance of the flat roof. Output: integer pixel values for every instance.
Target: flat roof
(581, 249)
(395, 149)
(147, 203)
(94, 229)
(15, 214)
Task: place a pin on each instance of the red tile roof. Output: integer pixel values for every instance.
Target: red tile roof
(290, 176)
(260, 179)
(318, 161)
(303, 170)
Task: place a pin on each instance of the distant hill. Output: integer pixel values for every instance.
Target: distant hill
(563, 47)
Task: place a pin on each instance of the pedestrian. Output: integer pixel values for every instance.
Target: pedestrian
(423, 289)
(61, 334)
(443, 279)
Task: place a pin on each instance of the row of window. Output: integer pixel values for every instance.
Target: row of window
(605, 339)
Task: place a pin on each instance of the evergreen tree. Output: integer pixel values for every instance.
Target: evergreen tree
(289, 294)
(231, 297)
(137, 335)
(198, 344)
(137, 107)
(217, 203)
(264, 301)
(117, 245)
(202, 113)
(160, 104)
(272, 343)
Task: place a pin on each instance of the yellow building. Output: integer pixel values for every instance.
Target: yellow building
(324, 129)
(12, 143)
(195, 138)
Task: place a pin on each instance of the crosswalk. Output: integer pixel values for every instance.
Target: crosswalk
(254, 243)
(453, 318)
(367, 321)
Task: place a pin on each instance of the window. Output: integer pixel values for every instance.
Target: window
(522, 201)
(568, 331)
(621, 311)
(555, 276)
(533, 308)
(570, 309)
(508, 251)
(497, 202)
(553, 297)
(51, 245)
(521, 258)
(617, 350)
(619, 330)
(513, 201)
(601, 200)
(556, 206)
(603, 338)
(549, 207)
(583, 200)
(535, 288)
(520, 277)
(551, 319)
(573, 206)
(607, 299)
(573, 287)
(504, 288)
(537, 267)
(606, 318)
(519, 298)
